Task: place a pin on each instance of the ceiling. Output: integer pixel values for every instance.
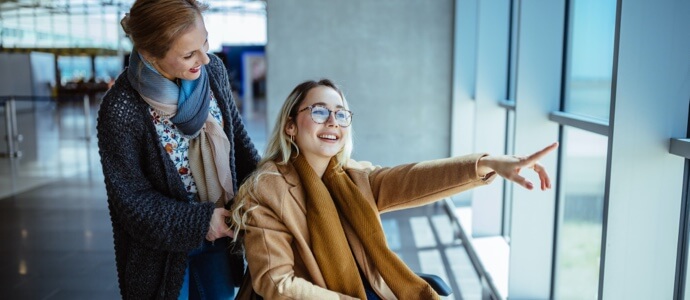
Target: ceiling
(14, 8)
(94, 24)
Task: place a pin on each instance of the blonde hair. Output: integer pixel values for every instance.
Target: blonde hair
(281, 148)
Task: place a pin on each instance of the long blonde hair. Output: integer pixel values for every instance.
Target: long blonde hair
(281, 148)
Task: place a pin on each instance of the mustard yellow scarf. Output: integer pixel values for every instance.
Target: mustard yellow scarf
(337, 195)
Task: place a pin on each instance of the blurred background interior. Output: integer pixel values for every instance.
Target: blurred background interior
(609, 80)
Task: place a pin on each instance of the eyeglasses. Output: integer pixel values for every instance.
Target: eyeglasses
(320, 115)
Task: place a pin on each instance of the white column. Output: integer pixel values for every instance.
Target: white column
(538, 93)
(493, 50)
(652, 92)
(464, 62)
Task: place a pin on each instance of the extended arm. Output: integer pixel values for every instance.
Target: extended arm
(509, 166)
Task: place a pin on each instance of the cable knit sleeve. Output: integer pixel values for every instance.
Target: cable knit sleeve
(146, 198)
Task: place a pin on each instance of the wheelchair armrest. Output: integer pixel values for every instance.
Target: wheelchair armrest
(436, 283)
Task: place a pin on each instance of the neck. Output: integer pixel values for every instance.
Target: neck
(319, 164)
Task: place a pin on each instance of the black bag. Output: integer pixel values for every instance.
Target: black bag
(238, 266)
(246, 291)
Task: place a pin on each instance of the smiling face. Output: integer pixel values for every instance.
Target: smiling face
(186, 55)
(318, 142)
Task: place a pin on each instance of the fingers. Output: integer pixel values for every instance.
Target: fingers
(543, 176)
(226, 213)
(539, 154)
(532, 162)
(521, 181)
(218, 228)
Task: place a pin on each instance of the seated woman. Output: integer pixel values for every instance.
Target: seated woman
(310, 214)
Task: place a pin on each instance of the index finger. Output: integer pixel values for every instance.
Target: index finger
(541, 153)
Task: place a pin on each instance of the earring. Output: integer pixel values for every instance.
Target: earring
(292, 138)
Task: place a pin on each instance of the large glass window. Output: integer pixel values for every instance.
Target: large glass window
(96, 24)
(581, 202)
(107, 67)
(74, 68)
(682, 278)
(510, 113)
(684, 255)
(590, 57)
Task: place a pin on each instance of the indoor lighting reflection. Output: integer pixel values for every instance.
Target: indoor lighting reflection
(23, 270)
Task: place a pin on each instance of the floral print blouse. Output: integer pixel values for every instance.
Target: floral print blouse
(176, 144)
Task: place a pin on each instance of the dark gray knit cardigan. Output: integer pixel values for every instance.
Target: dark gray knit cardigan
(155, 226)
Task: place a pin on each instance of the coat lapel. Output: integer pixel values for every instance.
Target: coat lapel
(296, 190)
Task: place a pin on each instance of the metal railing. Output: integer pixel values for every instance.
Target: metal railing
(12, 130)
(488, 287)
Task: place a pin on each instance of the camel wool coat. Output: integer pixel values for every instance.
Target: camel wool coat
(281, 262)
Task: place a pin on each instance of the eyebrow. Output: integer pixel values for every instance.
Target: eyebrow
(324, 104)
(196, 50)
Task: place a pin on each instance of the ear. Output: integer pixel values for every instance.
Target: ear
(291, 128)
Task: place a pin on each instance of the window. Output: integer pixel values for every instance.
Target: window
(590, 57)
(580, 215)
(509, 104)
(74, 68)
(681, 147)
(584, 115)
(685, 238)
(107, 67)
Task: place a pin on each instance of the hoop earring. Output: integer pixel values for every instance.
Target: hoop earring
(292, 139)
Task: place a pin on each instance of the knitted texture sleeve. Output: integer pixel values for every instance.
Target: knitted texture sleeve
(146, 197)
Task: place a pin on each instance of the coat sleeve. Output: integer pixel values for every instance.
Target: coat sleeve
(270, 257)
(421, 183)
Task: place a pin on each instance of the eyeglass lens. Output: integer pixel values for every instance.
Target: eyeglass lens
(320, 115)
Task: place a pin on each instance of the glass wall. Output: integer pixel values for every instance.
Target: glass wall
(686, 239)
(74, 68)
(683, 265)
(587, 92)
(581, 199)
(510, 112)
(96, 24)
(590, 57)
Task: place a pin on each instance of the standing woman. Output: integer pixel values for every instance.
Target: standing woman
(173, 149)
(310, 214)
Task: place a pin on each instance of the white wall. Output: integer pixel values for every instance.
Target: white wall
(538, 93)
(652, 93)
(393, 60)
(493, 30)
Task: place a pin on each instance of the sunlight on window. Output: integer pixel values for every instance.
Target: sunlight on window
(590, 57)
(581, 204)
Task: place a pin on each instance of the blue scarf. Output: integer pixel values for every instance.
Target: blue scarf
(192, 97)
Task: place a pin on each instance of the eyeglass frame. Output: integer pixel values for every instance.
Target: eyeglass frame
(330, 112)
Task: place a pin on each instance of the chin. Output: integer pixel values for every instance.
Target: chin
(191, 76)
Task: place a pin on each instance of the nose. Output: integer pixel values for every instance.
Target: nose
(204, 58)
(331, 119)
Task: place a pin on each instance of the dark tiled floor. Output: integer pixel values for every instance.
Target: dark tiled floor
(57, 243)
(56, 238)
